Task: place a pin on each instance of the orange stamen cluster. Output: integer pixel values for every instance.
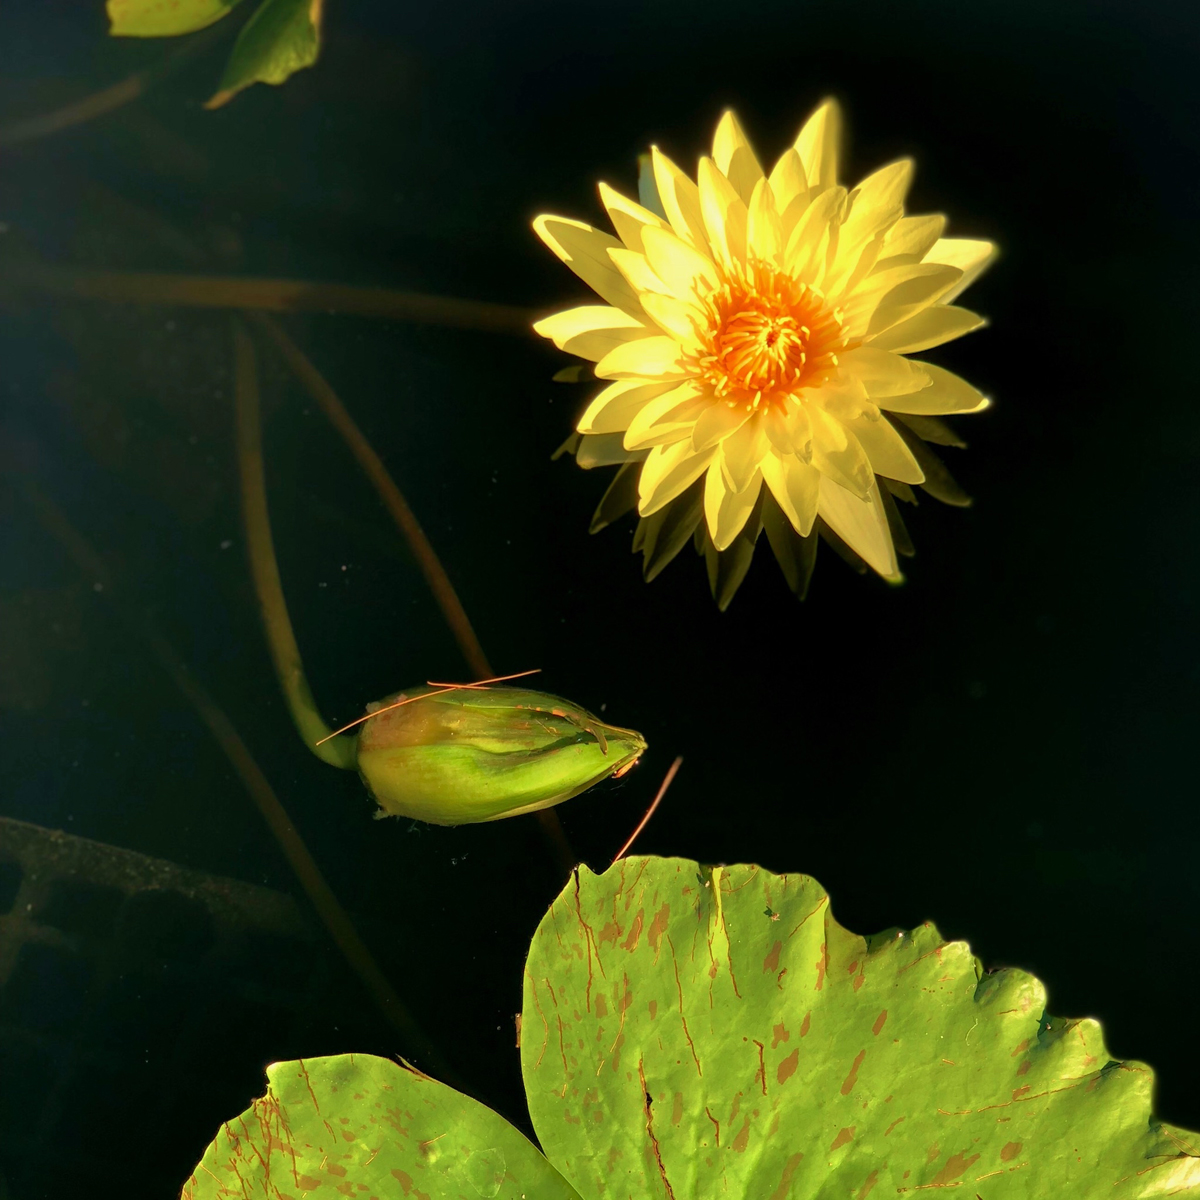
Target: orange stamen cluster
(766, 337)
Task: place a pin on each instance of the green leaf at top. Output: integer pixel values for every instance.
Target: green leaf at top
(356, 1125)
(694, 1032)
(282, 37)
(163, 18)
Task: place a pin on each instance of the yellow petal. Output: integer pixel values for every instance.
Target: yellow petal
(717, 422)
(666, 418)
(764, 236)
(946, 393)
(647, 188)
(591, 330)
(653, 357)
(882, 373)
(742, 453)
(819, 143)
(970, 255)
(913, 235)
(788, 432)
(884, 189)
(668, 471)
(887, 297)
(836, 452)
(734, 156)
(726, 511)
(634, 267)
(931, 327)
(795, 486)
(886, 450)
(687, 272)
(861, 524)
(628, 218)
(585, 251)
(680, 200)
(724, 213)
(788, 180)
(677, 317)
(803, 257)
(617, 405)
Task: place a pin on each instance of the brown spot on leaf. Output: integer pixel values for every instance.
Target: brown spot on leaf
(955, 1168)
(868, 1186)
(601, 1005)
(658, 927)
(635, 932)
(740, 1142)
(821, 964)
(306, 1183)
(1025, 1065)
(1010, 1151)
(844, 1136)
(805, 1024)
(609, 932)
(410, 1189)
(1020, 1049)
(879, 1020)
(787, 1068)
(677, 1109)
(851, 1079)
(779, 1034)
(785, 1183)
(771, 962)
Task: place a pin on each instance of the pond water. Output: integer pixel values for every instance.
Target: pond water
(1004, 745)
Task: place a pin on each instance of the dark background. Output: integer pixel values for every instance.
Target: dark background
(1005, 745)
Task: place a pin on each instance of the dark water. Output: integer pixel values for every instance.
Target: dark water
(1005, 745)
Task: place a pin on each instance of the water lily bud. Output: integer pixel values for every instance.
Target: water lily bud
(456, 756)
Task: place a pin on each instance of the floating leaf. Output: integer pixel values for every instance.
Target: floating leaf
(357, 1125)
(281, 38)
(698, 1032)
(163, 18)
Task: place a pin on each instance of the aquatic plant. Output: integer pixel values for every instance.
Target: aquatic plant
(280, 38)
(449, 754)
(695, 1031)
(755, 338)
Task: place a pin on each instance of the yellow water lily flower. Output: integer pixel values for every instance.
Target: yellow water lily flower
(754, 339)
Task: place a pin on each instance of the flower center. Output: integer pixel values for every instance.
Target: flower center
(766, 336)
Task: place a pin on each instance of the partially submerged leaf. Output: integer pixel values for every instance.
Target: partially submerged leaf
(698, 1032)
(281, 38)
(357, 1125)
(163, 18)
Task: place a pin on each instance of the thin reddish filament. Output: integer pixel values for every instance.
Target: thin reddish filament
(478, 686)
(662, 791)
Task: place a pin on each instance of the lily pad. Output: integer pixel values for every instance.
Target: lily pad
(353, 1124)
(698, 1031)
(164, 18)
(281, 38)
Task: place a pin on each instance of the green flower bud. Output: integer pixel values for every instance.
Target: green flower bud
(457, 756)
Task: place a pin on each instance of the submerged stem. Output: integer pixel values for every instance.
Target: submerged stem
(319, 388)
(314, 732)
(272, 295)
(335, 918)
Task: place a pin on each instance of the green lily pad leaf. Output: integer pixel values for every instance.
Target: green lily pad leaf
(163, 18)
(695, 1032)
(357, 1125)
(281, 38)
